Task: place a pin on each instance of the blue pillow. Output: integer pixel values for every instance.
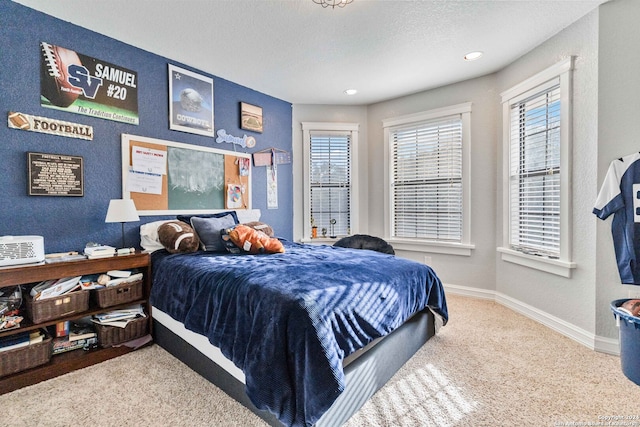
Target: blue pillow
(187, 218)
(208, 230)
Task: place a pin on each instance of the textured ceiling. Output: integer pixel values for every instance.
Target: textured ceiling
(298, 51)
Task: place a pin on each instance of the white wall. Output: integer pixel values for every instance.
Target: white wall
(477, 270)
(618, 133)
(572, 300)
(606, 106)
(333, 114)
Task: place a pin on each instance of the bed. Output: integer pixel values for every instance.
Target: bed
(301, 338)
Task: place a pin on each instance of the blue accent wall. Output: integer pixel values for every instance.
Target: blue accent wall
(68, 223)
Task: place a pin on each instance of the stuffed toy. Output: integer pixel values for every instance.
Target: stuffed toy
(178, 236)
(260, 226)
(631, 307)
(254, 241)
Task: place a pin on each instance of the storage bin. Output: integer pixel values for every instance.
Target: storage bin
(19, 359)
(54, 308)
(119, 294)
(629, 341)
(109, 336)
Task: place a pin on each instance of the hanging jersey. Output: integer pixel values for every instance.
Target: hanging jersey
(620, 195)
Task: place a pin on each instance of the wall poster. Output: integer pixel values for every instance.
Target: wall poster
(55, 175)
(70, 81)
(272, 187)
(165, 177)
(190, 102)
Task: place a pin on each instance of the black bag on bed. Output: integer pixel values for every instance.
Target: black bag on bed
(364, 241)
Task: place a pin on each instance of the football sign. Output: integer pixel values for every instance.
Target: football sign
(22, 121)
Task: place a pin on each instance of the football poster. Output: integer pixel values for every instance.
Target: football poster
(190, 102)
(70, 81)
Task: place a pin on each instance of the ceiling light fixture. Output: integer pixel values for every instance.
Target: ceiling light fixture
(333, 3)
(351, 91)
(472, 56)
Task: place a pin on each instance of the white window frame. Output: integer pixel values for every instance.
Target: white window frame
(463, 247)
(307, 129)
(563, 265)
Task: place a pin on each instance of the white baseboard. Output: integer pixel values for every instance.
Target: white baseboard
(607, 345)
(470, 292)
(594, 342)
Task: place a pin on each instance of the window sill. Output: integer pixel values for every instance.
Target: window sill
(460, 249)
(321, 240)
(553, 266)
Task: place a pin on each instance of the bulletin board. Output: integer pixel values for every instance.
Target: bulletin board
(167, 178)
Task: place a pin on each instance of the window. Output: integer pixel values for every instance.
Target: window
(330, 187)
(537, 121)
(427, 179)
(535, 173)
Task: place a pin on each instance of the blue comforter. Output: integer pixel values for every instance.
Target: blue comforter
(288, 320)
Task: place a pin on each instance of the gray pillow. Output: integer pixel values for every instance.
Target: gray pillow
(208, 230)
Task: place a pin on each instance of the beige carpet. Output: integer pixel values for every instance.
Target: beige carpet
(488, 367)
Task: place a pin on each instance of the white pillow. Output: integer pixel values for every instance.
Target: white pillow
(248, 215)
(149, 239)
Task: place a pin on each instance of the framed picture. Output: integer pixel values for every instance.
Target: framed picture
(55, 175)
(250, 117)
(190, 102)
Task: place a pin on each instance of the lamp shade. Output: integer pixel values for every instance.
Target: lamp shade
(122, 210)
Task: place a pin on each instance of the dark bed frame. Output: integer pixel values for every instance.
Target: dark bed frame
(364, 376)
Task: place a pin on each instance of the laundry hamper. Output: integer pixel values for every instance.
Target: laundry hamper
(629, 341)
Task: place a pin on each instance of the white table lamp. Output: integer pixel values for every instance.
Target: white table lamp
(122, 210)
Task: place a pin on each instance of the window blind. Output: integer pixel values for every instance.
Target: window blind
(535, 173)
(427, 180)
(330, 181)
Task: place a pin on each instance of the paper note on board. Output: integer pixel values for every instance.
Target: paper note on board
(149, 160)
(144, 182)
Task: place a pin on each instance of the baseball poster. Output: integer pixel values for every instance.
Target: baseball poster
(70, 81)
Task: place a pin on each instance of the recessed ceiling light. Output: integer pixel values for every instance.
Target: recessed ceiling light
(472, 56)
(350, 91)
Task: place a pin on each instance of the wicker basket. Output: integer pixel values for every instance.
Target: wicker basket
(19, 359)
(53, 308)
(112, 335)
(120, 294)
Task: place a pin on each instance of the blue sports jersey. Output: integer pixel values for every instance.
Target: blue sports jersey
(620, 195)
